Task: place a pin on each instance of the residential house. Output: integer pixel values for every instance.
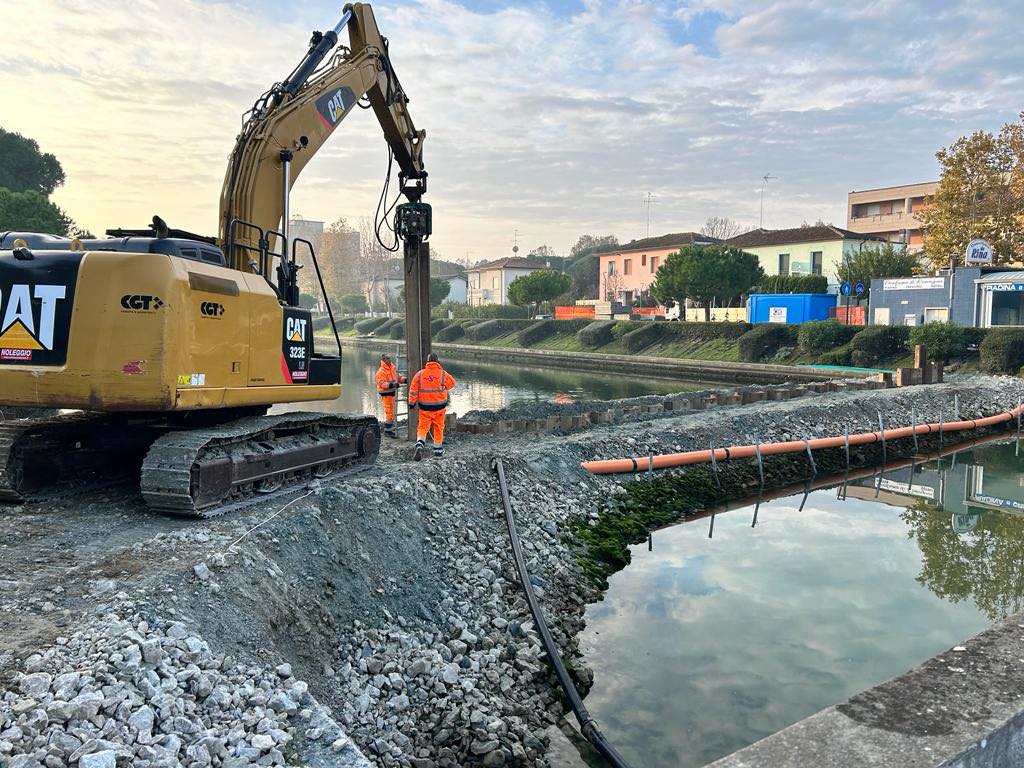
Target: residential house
(629, 269)
(815, 250)
(489, 282)
(891, 212)
(382, 290)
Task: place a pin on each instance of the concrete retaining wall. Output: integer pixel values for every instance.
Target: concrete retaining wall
(616, 412)
(961, 709)
(663, 367)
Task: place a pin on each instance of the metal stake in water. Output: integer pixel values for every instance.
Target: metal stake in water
(714, 468)
(760, 460)
(881, 434)
(956, 405)
(711, 528)
(810, 457)
(1020, 402)
(940, 429)
(757, 506)
(913, 425)
(846, 444)
(650, 464)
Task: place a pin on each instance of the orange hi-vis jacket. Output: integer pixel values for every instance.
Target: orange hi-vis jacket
(429, 388)
(388, 379)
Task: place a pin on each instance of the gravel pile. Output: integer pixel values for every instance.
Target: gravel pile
(131, 691)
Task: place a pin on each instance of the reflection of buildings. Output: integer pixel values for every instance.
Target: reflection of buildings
(958, 484)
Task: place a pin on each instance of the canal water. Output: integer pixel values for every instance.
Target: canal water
(490, 386)
(729, 631)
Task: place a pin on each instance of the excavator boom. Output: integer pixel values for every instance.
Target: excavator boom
(291, 121)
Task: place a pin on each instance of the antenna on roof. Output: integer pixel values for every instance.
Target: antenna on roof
(649, 201)
(764, 183)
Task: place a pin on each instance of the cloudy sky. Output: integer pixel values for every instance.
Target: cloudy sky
(553, 118)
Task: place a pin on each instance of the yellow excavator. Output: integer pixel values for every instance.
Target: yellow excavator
(170, 347)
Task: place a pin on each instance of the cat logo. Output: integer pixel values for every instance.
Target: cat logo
(22, 331)
(138, 302)
(295, 329)
(332, 106)
(211, 309)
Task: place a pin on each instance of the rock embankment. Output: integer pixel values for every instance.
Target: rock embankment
(392, 593)
(132, 691)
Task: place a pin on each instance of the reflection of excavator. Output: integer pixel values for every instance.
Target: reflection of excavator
(174, 345)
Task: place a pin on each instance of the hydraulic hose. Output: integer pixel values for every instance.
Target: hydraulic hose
(588, 727)
(686, 458)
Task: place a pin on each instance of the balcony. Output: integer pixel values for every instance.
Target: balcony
(882, 222)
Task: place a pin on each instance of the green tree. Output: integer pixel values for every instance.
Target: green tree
(980, 195)
(439, 290)
(584, 266)
(353, 303)
(537, 286)
(24, 168)
(706, 273)
(31, 212)
(879, 262)
(986, 565)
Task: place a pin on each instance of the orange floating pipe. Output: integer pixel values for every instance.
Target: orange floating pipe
(686, 458)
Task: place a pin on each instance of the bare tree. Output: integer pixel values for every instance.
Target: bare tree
(721, 228)
(375, 263)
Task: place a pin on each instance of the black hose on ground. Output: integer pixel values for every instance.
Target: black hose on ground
(588, 727)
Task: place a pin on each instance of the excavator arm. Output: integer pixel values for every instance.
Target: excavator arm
(291, 121)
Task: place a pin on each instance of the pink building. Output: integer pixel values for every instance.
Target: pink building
(629, 270)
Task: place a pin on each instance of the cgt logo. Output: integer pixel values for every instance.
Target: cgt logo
(140, 302)
(211, 309)
(27, 320)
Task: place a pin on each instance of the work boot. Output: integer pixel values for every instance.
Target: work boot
(438, 452)
(418, 453)
(389, 429)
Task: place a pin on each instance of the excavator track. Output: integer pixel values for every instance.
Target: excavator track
(205, 472)
(44, 459)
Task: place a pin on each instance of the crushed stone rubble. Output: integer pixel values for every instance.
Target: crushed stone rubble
(131, 691)
(443, 666)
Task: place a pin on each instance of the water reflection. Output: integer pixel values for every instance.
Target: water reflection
(488, 386)
(702, 646)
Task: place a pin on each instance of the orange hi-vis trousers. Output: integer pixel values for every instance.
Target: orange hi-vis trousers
(389, 408)
(430, 420)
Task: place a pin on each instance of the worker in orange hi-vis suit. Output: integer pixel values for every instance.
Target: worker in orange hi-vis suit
(388, 378)
(428, 391)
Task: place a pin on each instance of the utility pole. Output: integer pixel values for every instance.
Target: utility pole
(764, 183)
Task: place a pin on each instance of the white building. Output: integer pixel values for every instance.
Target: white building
(488, 283)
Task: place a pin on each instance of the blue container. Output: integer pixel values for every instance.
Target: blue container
(790, 308)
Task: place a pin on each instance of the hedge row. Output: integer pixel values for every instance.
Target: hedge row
(489, 329)
(485, 312)
(370, 324)
(879, 343)
(450, 332)
(1002, 350)
(820, 336)
(642, 337)
(539, 331)
(794, 284)
(945, 341)
(596, 334)
(396, 331)
(764, 341)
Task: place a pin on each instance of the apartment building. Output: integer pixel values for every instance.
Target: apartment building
(890, 212)
(815, 250)
(629, 270)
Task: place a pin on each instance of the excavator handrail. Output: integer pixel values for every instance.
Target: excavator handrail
(323, 288)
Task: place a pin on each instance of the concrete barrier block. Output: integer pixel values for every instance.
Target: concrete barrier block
(552, 423)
